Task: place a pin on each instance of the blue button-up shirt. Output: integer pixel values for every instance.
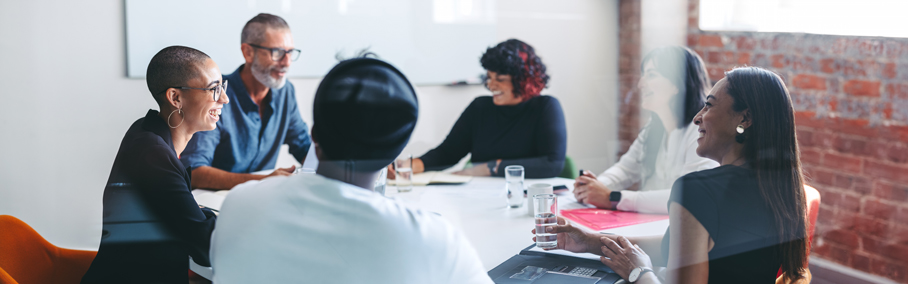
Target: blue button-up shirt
(245, 141)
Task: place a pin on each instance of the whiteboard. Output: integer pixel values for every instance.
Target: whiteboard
(430, 41)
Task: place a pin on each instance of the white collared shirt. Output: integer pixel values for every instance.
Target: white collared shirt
(310, 229)
(676, 158)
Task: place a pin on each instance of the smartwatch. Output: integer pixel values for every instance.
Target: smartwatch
(615, 197)
(637, 272)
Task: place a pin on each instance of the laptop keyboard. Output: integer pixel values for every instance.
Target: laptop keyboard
(583, 271)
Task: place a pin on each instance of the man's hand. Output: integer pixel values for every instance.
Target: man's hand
(480, 170)
(589, 190)
(417, 167)
(283, 171)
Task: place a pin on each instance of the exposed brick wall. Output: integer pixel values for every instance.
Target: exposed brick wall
(851, 100)
(628, 73)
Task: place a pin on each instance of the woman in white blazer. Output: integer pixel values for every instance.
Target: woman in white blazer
(673, 87)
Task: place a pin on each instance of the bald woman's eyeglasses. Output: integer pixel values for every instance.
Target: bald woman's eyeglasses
(216, 90)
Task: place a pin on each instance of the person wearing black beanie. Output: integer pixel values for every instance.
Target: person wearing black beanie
(330, 227)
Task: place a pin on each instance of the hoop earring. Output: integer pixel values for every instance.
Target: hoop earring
(171, 114)
(740, 137)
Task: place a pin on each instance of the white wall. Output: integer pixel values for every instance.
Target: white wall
(68, 102)
(662, 23)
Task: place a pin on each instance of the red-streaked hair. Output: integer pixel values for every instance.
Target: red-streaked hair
(518, 59)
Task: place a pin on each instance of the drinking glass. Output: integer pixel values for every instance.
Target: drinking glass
(403, 173)
(546, 207)
(381, 182)
(514, 177)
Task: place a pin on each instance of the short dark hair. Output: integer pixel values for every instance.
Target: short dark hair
(254, 30)
(684, 68)
(171, 67)
(518, 59)
(364, 111)
(771, 149)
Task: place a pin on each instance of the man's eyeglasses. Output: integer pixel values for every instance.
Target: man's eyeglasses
(217, 90)
(277, 54)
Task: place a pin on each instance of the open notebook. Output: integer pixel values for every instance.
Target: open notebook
(427, 178)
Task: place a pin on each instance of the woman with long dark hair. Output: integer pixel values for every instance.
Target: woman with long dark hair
(673, 85)
(738, 223)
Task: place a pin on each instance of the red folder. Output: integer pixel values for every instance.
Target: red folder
(601, 219)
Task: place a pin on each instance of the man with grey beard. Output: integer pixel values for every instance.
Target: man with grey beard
(263, 116)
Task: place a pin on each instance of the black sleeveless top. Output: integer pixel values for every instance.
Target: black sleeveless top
(727, 202)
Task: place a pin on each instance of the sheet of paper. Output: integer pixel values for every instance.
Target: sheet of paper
(601, 219)
(427, 178)
(210, 200)
(567, 253)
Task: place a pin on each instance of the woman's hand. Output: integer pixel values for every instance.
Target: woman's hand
(480, 170)
(589, 190)
(573, 239)
(622, 256)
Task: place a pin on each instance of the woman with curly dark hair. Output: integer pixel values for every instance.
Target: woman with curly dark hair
(514, 126)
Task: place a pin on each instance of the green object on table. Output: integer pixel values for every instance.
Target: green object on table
(570, 170)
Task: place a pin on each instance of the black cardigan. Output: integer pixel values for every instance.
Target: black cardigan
(531, 134)
(147, 160)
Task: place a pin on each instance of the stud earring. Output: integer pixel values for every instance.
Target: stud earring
(740, 129)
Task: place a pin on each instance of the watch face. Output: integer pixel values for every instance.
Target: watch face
(634, 275)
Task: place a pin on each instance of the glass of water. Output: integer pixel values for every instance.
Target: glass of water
(514, 177)
(381, 181)
(403, 173)
(546, 207)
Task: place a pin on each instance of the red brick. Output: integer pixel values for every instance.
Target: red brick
(894, 132)
(897, 252)
(855, 68)
(830, 65)
(743, 58)
(691, 39)
(842, 237)
(809, 82)
(715, 73)
(862, 88)
(822, 251)
(714, 57)
(824, 177)
(809, 119)
(897, 91)
(879, 209)
(862, 186)
(779, 61)
(870, 227)
(891, 270)
(707, 40)
(745, 43)
(840, 255)
(854, 146)
(842, 163)
(825, 216)
(860, 262)
(859, 127)
(889, 71)
(896, 173)
(890, 191)
(844, 181)
(889, 151)
(810, 156)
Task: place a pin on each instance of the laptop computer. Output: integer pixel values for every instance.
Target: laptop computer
(544, 268)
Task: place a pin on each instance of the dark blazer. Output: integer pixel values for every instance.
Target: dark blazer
(147, 161)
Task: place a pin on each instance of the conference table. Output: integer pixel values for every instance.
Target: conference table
(479, 209)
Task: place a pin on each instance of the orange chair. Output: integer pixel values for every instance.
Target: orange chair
(813, 209)
(26, 257)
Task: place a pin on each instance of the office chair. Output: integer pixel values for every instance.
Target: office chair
(26, 257)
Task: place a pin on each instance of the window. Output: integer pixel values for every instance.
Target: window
(839, 17)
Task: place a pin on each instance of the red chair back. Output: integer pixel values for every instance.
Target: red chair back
(26, 257)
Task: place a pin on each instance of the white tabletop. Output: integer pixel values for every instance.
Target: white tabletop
(479, 209)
